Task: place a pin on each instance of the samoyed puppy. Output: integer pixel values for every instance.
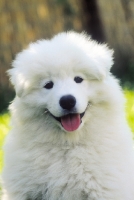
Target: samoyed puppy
(69, 138)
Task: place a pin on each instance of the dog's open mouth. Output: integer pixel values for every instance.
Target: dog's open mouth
(71, 121)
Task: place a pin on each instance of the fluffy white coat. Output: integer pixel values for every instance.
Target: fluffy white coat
(43, 161)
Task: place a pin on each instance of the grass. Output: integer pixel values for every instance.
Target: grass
(4, 128)
(4, 121)
(130, 108)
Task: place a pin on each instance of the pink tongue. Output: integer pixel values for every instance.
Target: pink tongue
(71, 122)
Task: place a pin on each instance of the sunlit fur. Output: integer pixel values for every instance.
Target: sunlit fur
(42, 160)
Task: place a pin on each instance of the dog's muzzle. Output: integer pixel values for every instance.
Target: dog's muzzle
(71, 119)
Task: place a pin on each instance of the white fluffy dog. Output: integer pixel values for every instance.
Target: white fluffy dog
(69, 137)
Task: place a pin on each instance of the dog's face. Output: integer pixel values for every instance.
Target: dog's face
(62, 78)
(66, 99)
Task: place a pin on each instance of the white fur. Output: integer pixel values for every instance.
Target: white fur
(45, 162)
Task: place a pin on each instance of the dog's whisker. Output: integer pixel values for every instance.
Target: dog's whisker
(89, 104)
(46, 111)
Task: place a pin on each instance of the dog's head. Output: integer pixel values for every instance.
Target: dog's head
(62, 77)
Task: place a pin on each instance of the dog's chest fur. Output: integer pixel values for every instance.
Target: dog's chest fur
(63, 173)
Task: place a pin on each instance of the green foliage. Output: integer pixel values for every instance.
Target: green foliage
(4, 120)
(130, 108)
(4, 128)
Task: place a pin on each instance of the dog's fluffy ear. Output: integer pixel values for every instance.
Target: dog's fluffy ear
(103, 60)
(100, 57)
(18, 81)
(18, 74)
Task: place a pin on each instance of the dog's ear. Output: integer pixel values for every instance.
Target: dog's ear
(103, 60)
(99, 56)
(18, 81)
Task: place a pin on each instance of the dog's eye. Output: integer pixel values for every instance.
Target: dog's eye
(49, 85)
(78, 79)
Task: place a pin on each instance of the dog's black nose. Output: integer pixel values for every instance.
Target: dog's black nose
(67, 102)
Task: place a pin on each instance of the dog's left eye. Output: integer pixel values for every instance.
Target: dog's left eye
(49, 85)
(78, 79)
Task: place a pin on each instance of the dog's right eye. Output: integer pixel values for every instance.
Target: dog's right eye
(49, 85)
(78, 79)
